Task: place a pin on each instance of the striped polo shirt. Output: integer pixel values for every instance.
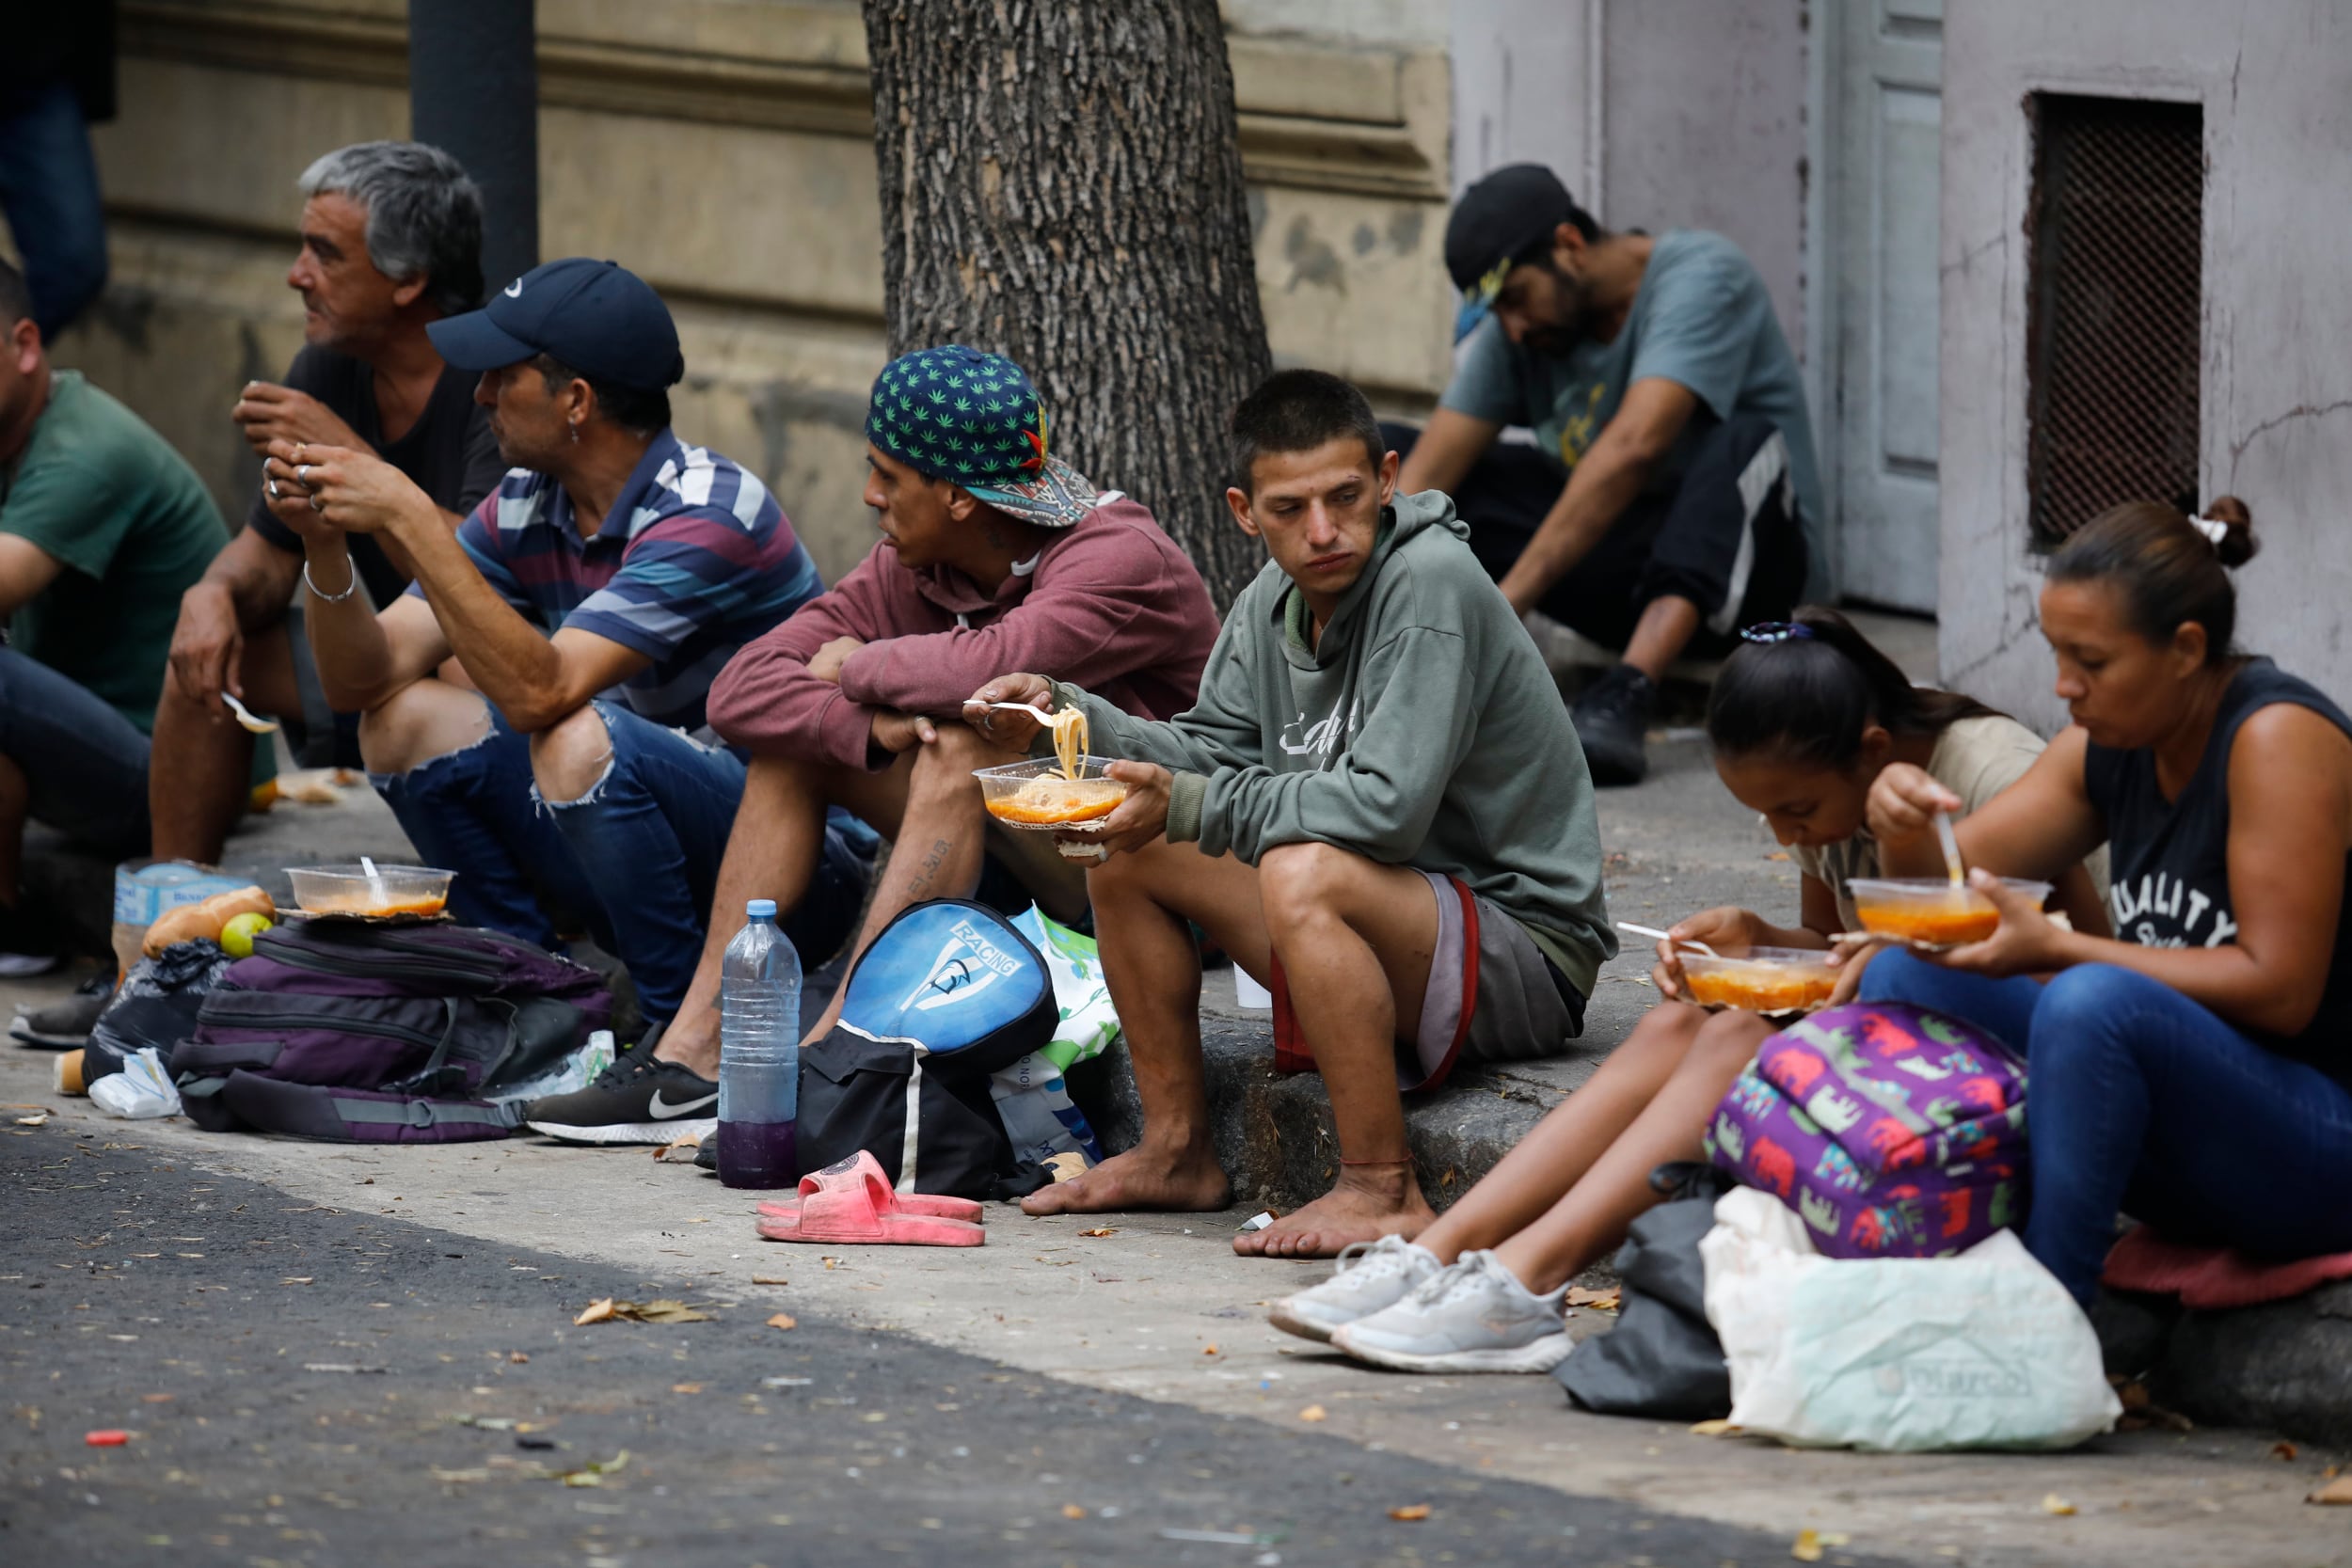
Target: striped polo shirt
(696, 560)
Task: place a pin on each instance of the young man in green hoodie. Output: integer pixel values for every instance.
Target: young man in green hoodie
(1377, 806)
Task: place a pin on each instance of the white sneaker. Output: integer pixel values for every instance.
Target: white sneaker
(1475, 1317)
(1372, 1274)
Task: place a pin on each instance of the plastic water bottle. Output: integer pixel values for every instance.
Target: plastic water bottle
(759, 1053)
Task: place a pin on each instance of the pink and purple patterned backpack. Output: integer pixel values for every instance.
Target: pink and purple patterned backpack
(1892, 1131)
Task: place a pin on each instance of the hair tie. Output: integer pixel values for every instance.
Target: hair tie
(2214, 528)
(1777, 632)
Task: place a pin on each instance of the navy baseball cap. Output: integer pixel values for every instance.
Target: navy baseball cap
(597, 317)
(1493, 222)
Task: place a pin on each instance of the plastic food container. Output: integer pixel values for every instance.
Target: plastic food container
(1931, 912)
(393, 891)
(1035, 796)
(1761, 980)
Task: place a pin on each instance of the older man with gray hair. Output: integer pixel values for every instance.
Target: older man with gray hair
(391, 241)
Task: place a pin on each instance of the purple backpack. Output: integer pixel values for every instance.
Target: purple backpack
(1894, 1132)
(373, 1034)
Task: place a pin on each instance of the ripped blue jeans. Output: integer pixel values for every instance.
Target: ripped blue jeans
(637, 858)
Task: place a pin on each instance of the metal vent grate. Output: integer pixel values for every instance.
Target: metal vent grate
(2115, 293)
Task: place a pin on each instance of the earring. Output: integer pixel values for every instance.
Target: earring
(574, 428)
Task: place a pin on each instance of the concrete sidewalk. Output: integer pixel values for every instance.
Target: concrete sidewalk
(1162, 1309)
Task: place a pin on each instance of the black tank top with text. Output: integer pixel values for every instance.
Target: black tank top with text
(2171, 868)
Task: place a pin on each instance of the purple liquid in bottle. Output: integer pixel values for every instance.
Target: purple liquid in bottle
(757, 1154)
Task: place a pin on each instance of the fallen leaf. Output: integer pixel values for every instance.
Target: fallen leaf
(769, 1279)
(1602, 1300)
(1314, 1412)
(686, 1388)
(2286, 1450)
(783, 1319)
(42, 1120)
(1208, 1350)
(2338, 1491)
(1071, 1511)
(517, 1357)
(665, 1311)
(2052, 1503)
(1410, 1512)
(296, 1279)
(594, 1472)
(1100, 1230)
(1711, 1429)
(1807, 1547)
(155, 1399)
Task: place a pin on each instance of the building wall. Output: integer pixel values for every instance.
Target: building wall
(1672, 114)
(722, 148)
(2275, 81)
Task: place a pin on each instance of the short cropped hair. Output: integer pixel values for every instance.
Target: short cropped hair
(424, 215)
(638, 410)
(1298, 411)
(16, 300)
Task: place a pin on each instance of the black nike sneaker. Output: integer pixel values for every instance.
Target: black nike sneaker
(637, 1099)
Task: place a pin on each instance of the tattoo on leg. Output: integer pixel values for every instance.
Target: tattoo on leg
(919, 885)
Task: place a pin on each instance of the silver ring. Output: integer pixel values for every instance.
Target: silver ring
(317, 505)
(272, 489)
(302, 475)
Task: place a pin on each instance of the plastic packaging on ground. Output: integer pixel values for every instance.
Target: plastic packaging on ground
(1985, 1349)
(141, 1091)
(569, 1076)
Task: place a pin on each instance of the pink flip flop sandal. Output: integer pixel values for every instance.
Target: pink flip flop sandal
(852, 1202)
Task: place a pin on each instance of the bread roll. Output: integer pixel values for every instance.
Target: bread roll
(202, 922)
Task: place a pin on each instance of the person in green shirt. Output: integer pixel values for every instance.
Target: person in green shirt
(1377, 805)
(102, 527)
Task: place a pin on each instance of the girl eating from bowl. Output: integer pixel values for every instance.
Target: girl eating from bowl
(2194, 1071)
(1803, 719)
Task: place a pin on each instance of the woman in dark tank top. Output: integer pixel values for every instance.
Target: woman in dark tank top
(2195, 1071)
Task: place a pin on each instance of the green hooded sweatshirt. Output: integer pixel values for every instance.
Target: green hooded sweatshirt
(1423, 731)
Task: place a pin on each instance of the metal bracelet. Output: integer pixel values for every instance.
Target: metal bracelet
(353, 587)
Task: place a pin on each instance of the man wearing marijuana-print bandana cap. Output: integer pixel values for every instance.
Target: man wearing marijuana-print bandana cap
(996, 555)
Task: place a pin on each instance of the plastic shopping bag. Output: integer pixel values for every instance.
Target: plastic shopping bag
(1985, 1349)
(1088, 1022)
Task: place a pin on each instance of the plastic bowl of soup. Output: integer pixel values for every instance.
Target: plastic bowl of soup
(416, 891)
(1761, 980)
(1035, 795)
(1931, 910)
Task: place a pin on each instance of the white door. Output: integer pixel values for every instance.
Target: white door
(1886, 92)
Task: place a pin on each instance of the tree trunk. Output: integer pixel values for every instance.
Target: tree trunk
(1061, 184)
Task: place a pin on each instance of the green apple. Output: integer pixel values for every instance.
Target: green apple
(237, 938)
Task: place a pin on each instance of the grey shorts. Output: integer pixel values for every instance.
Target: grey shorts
(1492, 996)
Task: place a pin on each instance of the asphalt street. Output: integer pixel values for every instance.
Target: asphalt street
(302, 1384)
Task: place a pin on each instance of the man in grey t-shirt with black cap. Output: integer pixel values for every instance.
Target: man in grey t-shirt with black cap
(1671, 494)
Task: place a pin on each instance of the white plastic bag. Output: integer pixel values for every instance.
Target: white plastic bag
(571, 1075)
(1982, 1350)
(1088, 1021)
(141, 1091)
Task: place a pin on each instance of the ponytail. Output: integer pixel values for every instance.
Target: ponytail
(1806, 697)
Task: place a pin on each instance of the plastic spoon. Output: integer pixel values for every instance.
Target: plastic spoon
(246, 717)
(1951, 849)
(375, 884)
(1657, 935)
(1038, 714)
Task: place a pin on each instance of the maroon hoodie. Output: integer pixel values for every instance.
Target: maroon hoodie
(1109, 602)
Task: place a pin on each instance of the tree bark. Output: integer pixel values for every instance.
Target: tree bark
(1061, 184)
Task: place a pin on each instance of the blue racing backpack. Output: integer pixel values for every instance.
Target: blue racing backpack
(948, 994)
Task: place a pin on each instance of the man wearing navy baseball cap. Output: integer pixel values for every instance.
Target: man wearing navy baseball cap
(1671, 496)
(589, 600)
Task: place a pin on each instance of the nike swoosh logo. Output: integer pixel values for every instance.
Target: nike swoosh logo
(514, 290)
(663, 1110)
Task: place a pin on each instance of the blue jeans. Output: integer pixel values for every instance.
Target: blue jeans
(2141, 1101)
(85, 763)
(637, 856)
(49, 189)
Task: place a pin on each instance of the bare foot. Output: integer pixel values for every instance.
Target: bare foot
(1362, 1208)
(1188, 1180)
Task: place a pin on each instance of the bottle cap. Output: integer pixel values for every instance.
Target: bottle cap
(761, 909)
